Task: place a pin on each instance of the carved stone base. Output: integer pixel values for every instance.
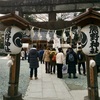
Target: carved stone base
(17, 97)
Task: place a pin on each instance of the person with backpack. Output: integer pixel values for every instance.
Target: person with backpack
(81, 58)
(33, 60)
(52, 60)
(71, 60)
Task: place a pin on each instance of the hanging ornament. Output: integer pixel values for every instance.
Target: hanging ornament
(27, 32)
(79, 33)
(55, 35)
(71, 33)
(32, 33)
(64, 35)
(39, 34)
(48, 36)
(56, 43)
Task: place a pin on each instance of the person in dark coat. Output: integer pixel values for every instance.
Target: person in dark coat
(41, 52)
(71, 60)
(33, 59)
(97, 60)
(81, 58)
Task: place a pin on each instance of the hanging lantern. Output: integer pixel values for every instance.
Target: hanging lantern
(12, 40)
(90, 39)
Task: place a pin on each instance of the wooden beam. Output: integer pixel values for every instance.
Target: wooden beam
(52, 25)
(47, 6)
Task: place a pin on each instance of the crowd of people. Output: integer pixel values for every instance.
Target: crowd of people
(54, 60)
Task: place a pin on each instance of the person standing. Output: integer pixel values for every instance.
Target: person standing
(33, 59)
(97, 60)
(71, 60)
(46, 58)
(81, 58)
(52, 60)
(41, 52)
(59, 61)
(22, 54)
(25, 54)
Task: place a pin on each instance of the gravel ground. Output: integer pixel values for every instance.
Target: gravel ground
(4, 77)
(80, 83)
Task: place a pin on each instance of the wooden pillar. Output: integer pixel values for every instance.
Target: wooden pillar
(92, 82)
(13, 93)
(52, 17)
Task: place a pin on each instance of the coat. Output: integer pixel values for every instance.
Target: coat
(52, 53)
(71, 65)
(83, 56)
(46, 56)
(33, 58)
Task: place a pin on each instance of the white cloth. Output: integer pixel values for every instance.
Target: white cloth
(10, 63)
(92, 63)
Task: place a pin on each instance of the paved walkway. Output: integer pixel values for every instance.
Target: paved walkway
(49, 87)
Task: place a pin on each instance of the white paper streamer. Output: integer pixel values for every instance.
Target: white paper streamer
(71, 33)
(32, 33)
(39, 34)
(48, 36)
(64, 35)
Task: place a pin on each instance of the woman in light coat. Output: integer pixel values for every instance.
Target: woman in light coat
(46, 58)
(59, 61)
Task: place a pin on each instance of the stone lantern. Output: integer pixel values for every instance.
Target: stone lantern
(89, 22)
